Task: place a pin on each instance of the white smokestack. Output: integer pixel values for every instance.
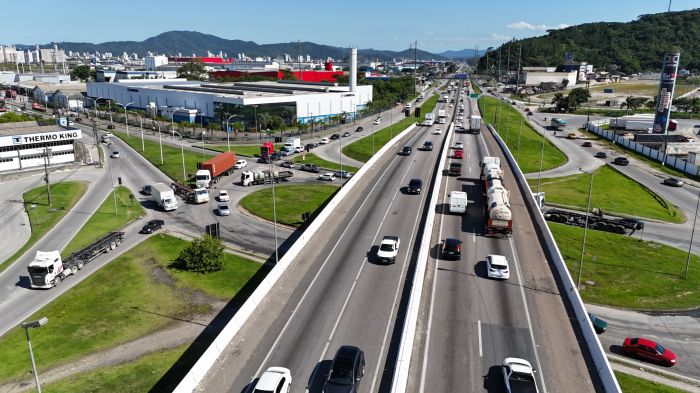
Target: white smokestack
(353, 69)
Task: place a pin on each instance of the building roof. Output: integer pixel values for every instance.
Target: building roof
(27, 127)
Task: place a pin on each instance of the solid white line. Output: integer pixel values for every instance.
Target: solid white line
(473, 237)
(481, 352)
(527, 313)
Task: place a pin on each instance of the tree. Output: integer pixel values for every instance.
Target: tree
(288, 75)
(559, 101)
(578, 96)
(632, 103)
(193, 71)
(81, 72)
(204, 255)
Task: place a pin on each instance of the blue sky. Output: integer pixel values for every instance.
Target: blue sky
(394, 25)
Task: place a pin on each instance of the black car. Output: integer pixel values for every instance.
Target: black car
(601, 154)
(673, 182)
(335, 136)
(152, 226)
(414, 186)
(346, 371)
(343, 174)
(406, 151)
(264, 160)
(309, 146)
(359, 129)
(146, 190)
(275, 156)
(110, 127)
(452, 248)
(621, 161)
(428, 146)
(309, 168)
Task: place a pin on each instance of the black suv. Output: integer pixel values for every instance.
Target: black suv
(414, 186)
(152, 226)
(452, 249)
(621, 161)
(309, 168)
(335, 136)
(428, 146)
(406, 151)
(359, 129)
(347, 370)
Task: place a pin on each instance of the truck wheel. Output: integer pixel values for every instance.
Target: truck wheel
(112, 245)
(119, 242)
(80, 265)
(56, 281)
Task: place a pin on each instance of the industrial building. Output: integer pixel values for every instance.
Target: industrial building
(293, 101)
(28, 144)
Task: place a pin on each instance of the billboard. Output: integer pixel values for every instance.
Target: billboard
(666, 86)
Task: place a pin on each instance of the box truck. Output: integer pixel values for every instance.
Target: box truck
(164, 196)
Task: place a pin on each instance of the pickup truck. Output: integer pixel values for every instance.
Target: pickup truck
(389, 249)
(519, 376)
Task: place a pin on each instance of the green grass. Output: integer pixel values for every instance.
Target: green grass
(172, 156)
(291, 201)
(640, 89)
(631, 384)
(139, 375)
(311, 158)
(243, 150)
(629, 273)
(124, 300)
(612, 192)
(105, 220)
(362, 150)
(64, 196)
(524, 143)
(475, 87)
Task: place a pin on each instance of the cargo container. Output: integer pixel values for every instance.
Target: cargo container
(213, 169)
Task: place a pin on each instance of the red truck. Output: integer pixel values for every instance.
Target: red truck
(211, 170)
(266, 149)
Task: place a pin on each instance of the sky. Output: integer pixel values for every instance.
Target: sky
(393, 25)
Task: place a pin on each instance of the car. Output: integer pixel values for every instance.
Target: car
(146, 190)
(599, 325)
(326, 176)
(309, 168)
(497, 267)
(152, 226)
(110, 127)
(414, 186)
(285, 153)
(452, 248)
(343, 174)
(621, 161)
(299, 149)
(309, 146)
(223, 196)
(115, 154)
(264, 160)
(459, 124)
(223, 209)
(346, 372)
(518, 375)
(377, 121)
(571, 135)
(324, 141)
(601, 154)
(458, 154)
(437, 131)
(586, 144)
(70, 123)
(406, 151)
(240, 164)
(275, 156)
(388, 249)
(359, 129)
(649, 350)
(288, 164)
(274, 380)
(427, 146)
(335, 136)
(346, 134)
(451, 105)
(674, 182)
(459, 145)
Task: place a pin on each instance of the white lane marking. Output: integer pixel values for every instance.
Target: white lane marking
(301, 301)
(481, 352)
(473, 237)
(527, 313)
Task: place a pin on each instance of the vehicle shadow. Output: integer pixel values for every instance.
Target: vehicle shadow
(480, 269)
(249, 387)
(493, 380)
(318, 376)
(617, 349)
(23, 282)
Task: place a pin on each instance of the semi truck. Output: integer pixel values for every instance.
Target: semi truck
(249, 178)
(213, 169)
(48, 269)
(266, 149)
(474, 124)
(192, 195)
(596, 221)
(164, 196)
(499, 218)
(442, 116)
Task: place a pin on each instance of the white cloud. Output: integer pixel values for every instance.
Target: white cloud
(429, 33)
(522, 25)
(498, 37)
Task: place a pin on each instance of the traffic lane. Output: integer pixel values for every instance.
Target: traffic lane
(250, 347)
(677, 332)
(563, 362)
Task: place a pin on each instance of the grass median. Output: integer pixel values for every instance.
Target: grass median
(172, 156)
(629, 273)
(136, 294)
(43, 217)
(363, 149)
(290, 200)
(630, 383)
(612, 192)
(243, 150)
(311, 158)
(105, 220)
(523, 142)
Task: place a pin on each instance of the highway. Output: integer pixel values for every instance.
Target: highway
(471, 323)
(335, 293)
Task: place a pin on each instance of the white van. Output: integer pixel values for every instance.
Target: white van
(458, 202)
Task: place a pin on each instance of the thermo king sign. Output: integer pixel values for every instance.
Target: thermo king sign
(48, 137)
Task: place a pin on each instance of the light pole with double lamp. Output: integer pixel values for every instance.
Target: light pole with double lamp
(585, 228)
(143, 146)
(182, 153)
(126, 117)
(274, 205)
(160, 141)
(29, 325)
(228, 132)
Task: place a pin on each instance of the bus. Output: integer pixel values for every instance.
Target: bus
(557, 124)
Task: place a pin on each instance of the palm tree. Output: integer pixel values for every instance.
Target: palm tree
(632, 103)
(560, 101)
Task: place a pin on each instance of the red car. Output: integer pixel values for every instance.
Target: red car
(459, 154)
(649, 350)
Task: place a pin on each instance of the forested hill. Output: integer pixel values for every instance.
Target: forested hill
(634, 46)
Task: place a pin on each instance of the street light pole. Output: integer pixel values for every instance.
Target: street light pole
(539, 174)
(585, 228)
(114, 191)
(182, 153)
(228, 133)
(274, 209)
(126, 117)
(28, 325)
(47, 157)
(160, 141)
(692, 234)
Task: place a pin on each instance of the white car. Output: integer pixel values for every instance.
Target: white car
(324, 141)
(326, 176)
(274, 380)
(459, 145)
(497, 267)
(437, 131)
(115, 154)
(240, 164)
(378, 121)
(223, 196)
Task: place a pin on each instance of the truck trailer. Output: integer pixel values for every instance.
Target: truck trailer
(192, 195)
(474, 124)
(249, 178)
(213, 169)
(596, 221)
(164, 196)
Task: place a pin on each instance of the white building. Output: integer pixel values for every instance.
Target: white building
(26, 145)
(153, 62)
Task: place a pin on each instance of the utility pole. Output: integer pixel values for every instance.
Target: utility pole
(669, 5)
(415, 64)
(499, 64)
(508, 62)
(517, 72)
(47, 151)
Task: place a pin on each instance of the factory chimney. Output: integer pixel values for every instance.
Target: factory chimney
(353, 69)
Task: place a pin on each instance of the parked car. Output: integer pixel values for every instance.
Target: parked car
(223, 196)
(335, 136)
(452, 248)
(326, 176)
(240, 164)
(406, 151)
(586, 144)
(343, 174)
(324, 141)
(621, 161)
(274, 380)
(115, 154)
(497, 267)
(649, 350)
(309, 146)
(152, 226)
(264, 160)
(601, 154)
(347, 370)
(359, 129)
(599, 325)
(674, 182)
(288, 164)
(223, 209)
(309, 168)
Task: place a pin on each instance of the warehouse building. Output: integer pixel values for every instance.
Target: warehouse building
(28, 144)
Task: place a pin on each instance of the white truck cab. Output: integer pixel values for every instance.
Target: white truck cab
(45, 267)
